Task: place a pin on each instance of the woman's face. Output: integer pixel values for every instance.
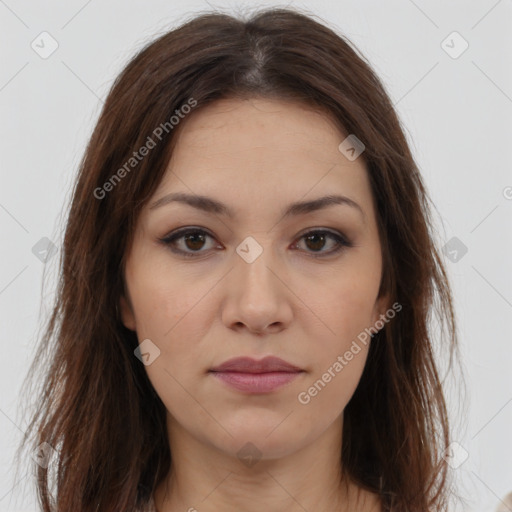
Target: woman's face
(255, 282)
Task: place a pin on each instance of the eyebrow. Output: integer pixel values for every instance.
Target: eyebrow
(210, 205)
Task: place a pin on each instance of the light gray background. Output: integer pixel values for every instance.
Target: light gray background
(457, 113)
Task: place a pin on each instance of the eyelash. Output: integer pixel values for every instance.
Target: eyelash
(342, 242)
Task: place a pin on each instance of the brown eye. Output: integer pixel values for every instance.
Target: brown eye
(189, 242)
(192, 241)
(316, 241)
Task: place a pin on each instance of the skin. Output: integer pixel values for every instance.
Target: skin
(257, 156)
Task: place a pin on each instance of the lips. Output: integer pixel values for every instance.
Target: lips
(251, 376)
(248, 365)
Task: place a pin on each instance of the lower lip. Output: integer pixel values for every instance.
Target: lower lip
(256, 382)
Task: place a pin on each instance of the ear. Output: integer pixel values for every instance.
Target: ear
(127, 316)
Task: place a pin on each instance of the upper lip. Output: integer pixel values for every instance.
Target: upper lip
(249, 365)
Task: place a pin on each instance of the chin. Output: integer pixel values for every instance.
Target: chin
(261, 442)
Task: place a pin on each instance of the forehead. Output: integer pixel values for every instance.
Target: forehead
(263, 151)
(237, 125)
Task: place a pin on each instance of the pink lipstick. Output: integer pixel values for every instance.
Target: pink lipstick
(252, 376)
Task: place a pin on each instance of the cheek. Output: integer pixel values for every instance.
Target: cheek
(331, 385)
(346, 304)
(176, 322)
(342, 376)
(163, 300)
(174, 313)
(339, 361)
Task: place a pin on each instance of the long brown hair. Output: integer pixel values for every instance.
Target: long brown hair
(96, 406)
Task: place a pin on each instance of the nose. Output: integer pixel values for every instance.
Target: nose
(257, 298)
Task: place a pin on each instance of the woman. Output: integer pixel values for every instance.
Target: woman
(247, 278)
